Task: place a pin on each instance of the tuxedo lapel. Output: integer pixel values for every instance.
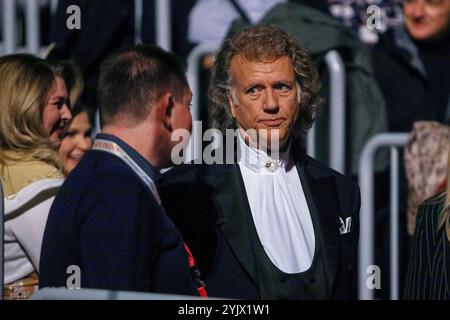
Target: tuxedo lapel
(321, 196)
(230, 200)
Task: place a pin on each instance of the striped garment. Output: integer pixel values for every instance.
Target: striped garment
(428, 275)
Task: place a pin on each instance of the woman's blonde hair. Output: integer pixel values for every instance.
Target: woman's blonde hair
(25, 84)
(444, 221)
(73, 78)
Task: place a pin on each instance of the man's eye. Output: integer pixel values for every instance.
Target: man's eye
(253, 90)
(282, 87)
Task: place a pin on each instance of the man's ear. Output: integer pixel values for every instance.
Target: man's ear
(165, 107)
(232, 100)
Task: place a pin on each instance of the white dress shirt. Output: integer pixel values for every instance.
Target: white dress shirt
(279, 208)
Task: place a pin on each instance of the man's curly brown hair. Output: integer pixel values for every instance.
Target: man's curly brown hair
(263, 43)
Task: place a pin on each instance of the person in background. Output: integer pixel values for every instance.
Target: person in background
(428, 275)
(412, 68)
(412, 65)
(106, 26)
(34, 109)
(76, 138)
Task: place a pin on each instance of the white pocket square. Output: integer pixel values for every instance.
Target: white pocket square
(346, 226)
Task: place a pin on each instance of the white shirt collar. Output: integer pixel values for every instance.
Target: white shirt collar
(259, 161)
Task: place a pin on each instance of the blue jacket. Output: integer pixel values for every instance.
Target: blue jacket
(107, 222)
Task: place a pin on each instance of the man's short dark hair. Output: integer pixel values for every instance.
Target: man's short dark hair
(132, 79)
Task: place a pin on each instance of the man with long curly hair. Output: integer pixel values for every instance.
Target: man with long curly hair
(275, 223)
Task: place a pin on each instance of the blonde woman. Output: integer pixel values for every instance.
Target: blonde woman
(76, 137)
(428, 275)
(33, 110)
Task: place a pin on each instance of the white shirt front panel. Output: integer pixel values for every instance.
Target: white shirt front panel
(279, 208)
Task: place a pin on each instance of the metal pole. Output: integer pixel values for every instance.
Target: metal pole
(336, 71)
(138, 5)
(9, 26)
(193, 74)
(394, 224)
(311, 142)
(2, 241)
(195, 149)
(163, 24)
(32, 27)
(366, 172)
(53, 6)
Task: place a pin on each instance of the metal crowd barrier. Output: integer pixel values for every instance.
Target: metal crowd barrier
(367, 221)
(8, 10)
(336, 71)
(32, 25)
(163, 24)
(193, 77)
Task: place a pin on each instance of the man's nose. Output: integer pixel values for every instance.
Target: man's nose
(271, 101)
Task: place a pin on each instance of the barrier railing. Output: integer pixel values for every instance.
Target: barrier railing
(138, 12)
(367, 221)
(33, 28)
(163, 24)
(336, 71)
(8, 9)
(193, 76)
(9, 26)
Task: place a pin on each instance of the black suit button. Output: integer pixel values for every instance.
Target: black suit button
(312, 280)
(283, 278)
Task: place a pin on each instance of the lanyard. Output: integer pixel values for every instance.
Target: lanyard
(113, 148)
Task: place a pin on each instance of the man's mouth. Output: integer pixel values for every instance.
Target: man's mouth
(273, 123)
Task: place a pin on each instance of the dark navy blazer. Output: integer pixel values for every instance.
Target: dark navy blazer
(106, 221)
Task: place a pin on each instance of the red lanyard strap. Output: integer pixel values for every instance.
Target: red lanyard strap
(201, 287)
